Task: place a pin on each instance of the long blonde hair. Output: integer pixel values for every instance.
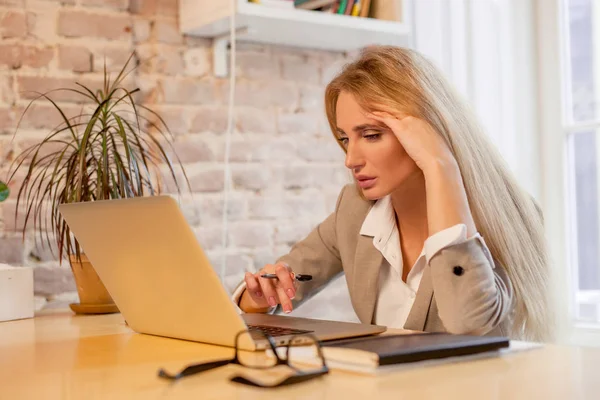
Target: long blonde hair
(505, 215)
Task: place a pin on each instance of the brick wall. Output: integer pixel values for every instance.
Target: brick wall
(286, 169)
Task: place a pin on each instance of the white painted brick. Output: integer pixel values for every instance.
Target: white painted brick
(75, 23)
(189, 209)
(114, 57)
(209, 119)
(256, 150)
(75, 58)
(291, 232)
(312, 97)
(282, 94)
(251, 178)
(159, 8)
(149, 88)
(168, 185)
(210, 209)
(273, 93)
(167, 31)
(13, 24)
(251, 234)
(7, 94)
(253, 120)
(187, 91)
(311, 176)
(141, 30)
(209, 237)
(42, 22)
(246, 47)
(192, 151)
(331, 198)
(330, 68)
(324, 130)
(118, 5)
(39, 302)
(281, 250)
(53, 280)
(174, 119)
(169, 60)
(261, 257)
(206, 181)
(258, 66)
(303, 123)
(301, 69)
(8, 214)
(39, 251)
(62, 300)
(12, 250)
(320, 150)
(286, 207)
(197, 61)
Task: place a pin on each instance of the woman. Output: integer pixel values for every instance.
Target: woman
(436, 234)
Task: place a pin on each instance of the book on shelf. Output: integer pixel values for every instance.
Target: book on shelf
(274, 3)
(313, 4)
(378, 9)
(356, 8)
(389, 10)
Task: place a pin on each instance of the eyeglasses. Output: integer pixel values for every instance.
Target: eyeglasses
(264, 367)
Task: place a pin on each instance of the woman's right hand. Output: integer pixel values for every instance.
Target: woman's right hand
(262, 293)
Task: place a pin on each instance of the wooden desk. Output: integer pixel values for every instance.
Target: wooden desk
(62, 356)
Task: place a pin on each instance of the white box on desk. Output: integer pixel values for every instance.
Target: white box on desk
(16, 292)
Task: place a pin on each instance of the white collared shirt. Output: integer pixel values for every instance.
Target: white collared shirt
(395, 298)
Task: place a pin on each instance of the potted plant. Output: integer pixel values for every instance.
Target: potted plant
(4, 191)
(114, 149)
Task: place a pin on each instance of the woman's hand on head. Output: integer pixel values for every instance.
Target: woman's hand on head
(262, 293)
(421, 142)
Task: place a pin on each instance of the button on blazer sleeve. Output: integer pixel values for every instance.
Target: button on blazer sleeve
(473, 294)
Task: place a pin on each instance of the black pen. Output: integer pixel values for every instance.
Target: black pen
(298, 277)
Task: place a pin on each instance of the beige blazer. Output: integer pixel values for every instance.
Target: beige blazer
(476, 298)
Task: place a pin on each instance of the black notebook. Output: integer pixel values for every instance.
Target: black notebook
(373, 352)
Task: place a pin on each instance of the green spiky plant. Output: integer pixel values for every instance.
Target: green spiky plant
(4, 191)
(114, 151)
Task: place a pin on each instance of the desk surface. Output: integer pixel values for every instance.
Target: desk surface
(62, 356)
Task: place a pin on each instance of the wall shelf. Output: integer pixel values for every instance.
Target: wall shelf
(291, 27)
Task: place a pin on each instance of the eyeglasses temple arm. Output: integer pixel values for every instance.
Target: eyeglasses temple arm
(193, 369)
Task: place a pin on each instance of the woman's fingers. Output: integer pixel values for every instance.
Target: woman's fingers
(284, 276)
(254, 290)
(252, 286)
(268, 287)
(285, 287)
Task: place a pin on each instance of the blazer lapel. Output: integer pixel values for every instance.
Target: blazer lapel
(420, 310)
(367, 263)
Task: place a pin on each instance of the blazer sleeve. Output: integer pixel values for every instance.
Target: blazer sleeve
(473, 294)
(318, 255)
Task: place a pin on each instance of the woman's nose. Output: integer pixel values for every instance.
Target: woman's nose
(353, 157)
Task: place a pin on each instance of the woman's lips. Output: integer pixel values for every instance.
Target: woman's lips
(366, 183)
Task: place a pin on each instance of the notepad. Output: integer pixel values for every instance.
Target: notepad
(387, 353)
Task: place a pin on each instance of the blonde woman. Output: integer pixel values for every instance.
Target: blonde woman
(435, 234)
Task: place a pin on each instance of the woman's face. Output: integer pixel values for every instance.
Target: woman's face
(376, 158)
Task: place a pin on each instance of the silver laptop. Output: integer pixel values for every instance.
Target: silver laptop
(152, 265)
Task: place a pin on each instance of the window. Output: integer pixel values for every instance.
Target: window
(581, 100)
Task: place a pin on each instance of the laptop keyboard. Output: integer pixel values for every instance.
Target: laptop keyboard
(275, 331)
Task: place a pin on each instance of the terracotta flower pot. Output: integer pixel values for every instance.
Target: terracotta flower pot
(93, 296)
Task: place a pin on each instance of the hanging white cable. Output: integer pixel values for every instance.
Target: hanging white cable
(230, 124)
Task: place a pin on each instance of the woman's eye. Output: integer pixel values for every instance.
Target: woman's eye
(343, 141)
(372, 137)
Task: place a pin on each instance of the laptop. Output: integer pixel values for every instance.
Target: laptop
(152, 265)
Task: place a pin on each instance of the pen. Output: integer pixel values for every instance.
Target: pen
(298, 277)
